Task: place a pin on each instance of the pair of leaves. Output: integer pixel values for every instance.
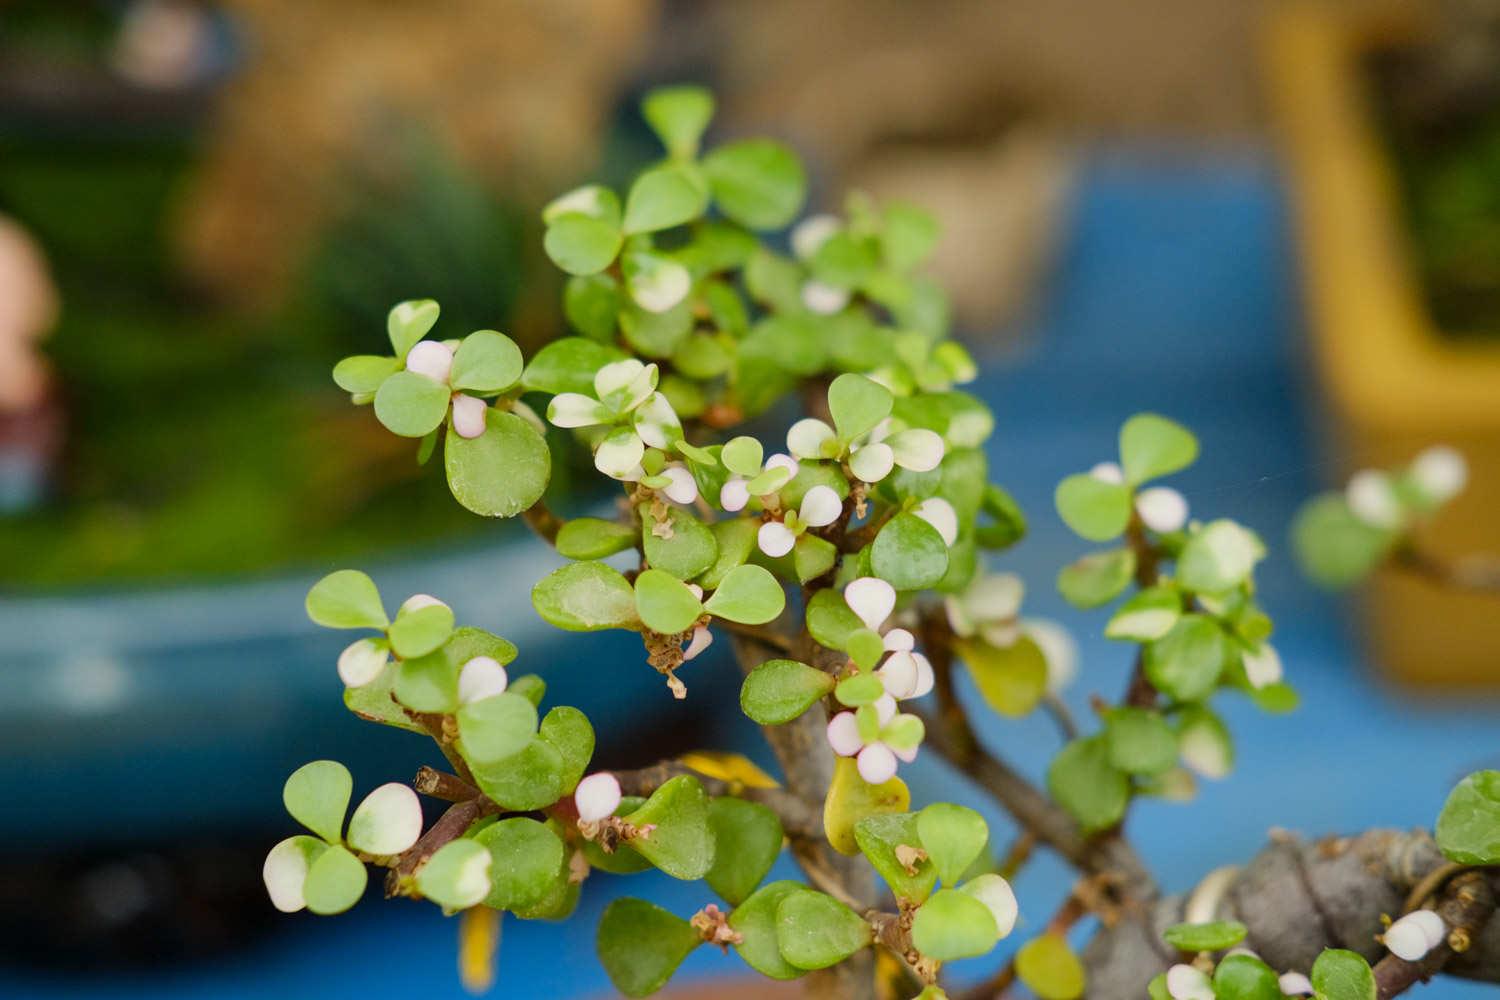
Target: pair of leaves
(748, 594)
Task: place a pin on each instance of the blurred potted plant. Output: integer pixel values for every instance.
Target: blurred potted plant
(1387, 216)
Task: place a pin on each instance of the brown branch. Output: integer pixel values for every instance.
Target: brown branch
(1477, 573)
(801, 748)
(442, 785)
(952, 735)
(857, 539)
(540, 519)
(1466, 905)
(1297, 897)
(449, 827)
(798, 818)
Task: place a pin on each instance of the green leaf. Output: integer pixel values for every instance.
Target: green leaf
(581, 245)
(664, 603)
(346, 598)
(1468, 828)
(591, 303)
(317, 796)
(953, 837)
(778, 691)
(430, 683)
(749, 595)
(641, 945)
(594, 538)
(1008, 522)
(570, 733)
(1012, 679)
(408, 322)
(1217, 557)
(1152, 446)
(1342, 975)
(830, 620)
(857, 405)
(656, 283)
(757, 182)
(1148, 615)
(860, 689)
(865, 648)
(410, 404)
(374, 702)
(1087, 785)
(1278, 698)
(1139, 740)
(585, 597)
(685, 549)
(813, 556)
(755, 921)
(1049, 968)
(525, 858)
(1203, 742)
(1097, 578)
(1245, 977)
(681, 842)
(747, 839)
(953, 925)
(529, 686)
(1157, 987)
(1094, 509)
(1216, 935)
(419, 631)
(664, 197)
(528, 780)
(568, 365)
(879, 837)
(908, 235)
(503, 471)
(656, 334)
(815, 930)
(486, 361)
(496, 727)
(1186, 663)
(743, 456)
(736, 540)
(1333, 546)
(909, 554)
(845, 259)
(592, 200)
(335, 882)
(457, 876)
(363, 373)
(678, 115)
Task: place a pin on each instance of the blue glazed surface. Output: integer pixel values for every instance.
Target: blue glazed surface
(1175, 293)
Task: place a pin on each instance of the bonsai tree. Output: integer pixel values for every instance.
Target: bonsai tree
(842, 555)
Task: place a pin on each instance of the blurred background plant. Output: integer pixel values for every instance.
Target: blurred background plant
(227, 194)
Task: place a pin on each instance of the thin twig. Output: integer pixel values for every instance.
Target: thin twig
(442, 785)
(540, 519)
(1466, 906)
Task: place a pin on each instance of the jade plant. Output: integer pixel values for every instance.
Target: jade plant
(843, 552)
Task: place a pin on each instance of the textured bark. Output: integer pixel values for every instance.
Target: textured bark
(801, 748)
(1297, 897)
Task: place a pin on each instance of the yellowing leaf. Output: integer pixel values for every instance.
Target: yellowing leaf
(478, 938)
(1049, 968)
(851, 799)
(732, 767)
(1012, 679)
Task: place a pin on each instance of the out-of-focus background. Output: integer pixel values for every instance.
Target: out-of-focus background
(1276, 222)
